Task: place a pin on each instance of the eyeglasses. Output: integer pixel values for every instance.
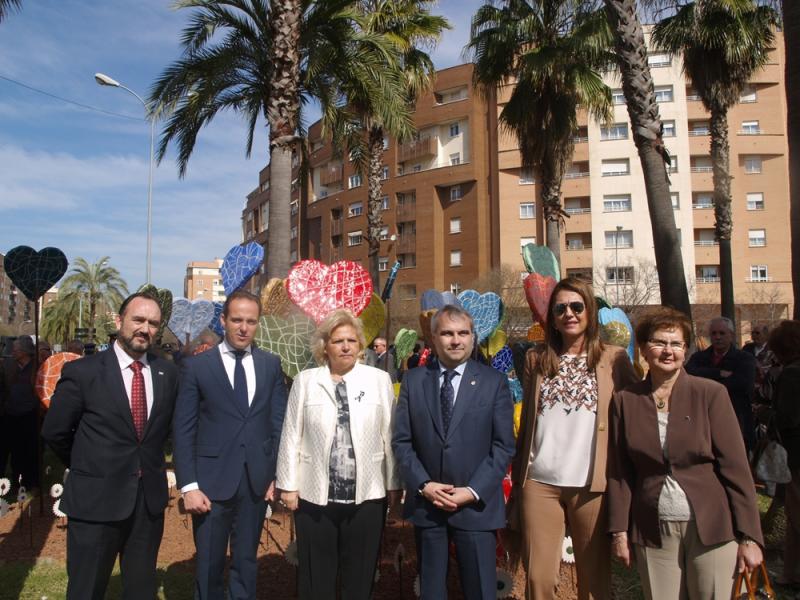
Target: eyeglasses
(576, 308)
(663, 344)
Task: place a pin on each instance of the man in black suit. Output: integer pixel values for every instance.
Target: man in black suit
(108, 421)
(453, 440)
(227, 430)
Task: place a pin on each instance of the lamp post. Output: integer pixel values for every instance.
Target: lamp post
(102, 79)
(616, 260)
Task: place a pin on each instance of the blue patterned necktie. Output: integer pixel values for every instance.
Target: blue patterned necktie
(446, 397)
(240, 381)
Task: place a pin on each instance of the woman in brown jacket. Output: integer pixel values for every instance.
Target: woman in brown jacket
(679, 485)
(559, 471)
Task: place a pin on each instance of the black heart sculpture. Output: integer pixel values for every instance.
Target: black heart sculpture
(35, 272)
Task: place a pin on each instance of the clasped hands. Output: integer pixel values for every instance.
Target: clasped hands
(446, 496)
(197, 503)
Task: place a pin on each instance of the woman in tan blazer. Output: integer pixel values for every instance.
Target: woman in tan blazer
(679, 485)
(559, 471)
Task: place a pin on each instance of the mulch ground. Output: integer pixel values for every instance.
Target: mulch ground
(27, 536)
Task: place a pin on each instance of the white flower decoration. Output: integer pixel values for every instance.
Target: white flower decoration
(4, 508)
(57, 509)
(268, 514)
(505, 584)
(22, 496)
(172, 481)
(417, 588)
(399, 557)
(567, 551)
(291, 554)
(5, 486)
(56, 490)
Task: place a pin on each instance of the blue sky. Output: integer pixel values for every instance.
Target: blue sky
(77, 179)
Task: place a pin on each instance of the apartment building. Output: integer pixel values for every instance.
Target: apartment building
(203, 281)
(457, 203)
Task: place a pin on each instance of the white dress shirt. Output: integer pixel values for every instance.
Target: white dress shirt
(125, 362)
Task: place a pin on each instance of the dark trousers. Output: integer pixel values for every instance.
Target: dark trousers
(338, 539)
(238, 520)
(19, 440)
(92, 549)
(475, 552)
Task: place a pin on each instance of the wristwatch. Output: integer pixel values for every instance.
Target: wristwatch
(746, 540)
(422, 486)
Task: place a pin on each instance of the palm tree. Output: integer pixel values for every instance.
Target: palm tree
(791, 40)
(7, 6)
(60, 318)
(637, 85)
(93, 285)
(723, 42)
(553, 52)
(409, 25)
(263, 60)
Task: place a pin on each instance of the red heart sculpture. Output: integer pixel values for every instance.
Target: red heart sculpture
(319, 289)
(538, 289)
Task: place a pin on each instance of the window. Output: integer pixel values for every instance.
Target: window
(755, 201)
(691, 94)
(617, 131)
(384, 202)
(408, 291)
(675, 199)
(750, 128)
(658, 59)
(455, 159)
(455, 225)
(455, 258)
(384, 173)
(384, 233)
(703, 200)
(615, 167)
(527, 210)
(619, 239)
(383, 263)
(702, 164)
(621, 203)
(759, 273)
(673, 163)
(526, 177)
(707, 273)
(293, 256)
(575, 242)
(669, 128)
(386, 143)
(617, 96)
(293, 233)
(455, 193)
(454, 131)
(417, 168)
(699, 128)
(355, 209)
(663, 93)
(354, 181)
(619, 274)
(577, 206)
(752, 164)
(407, 261)
(295, 184)
(455, 288)
(757, 238)
(294, 207)
(524, 241)
(748, 95)
(354, 238)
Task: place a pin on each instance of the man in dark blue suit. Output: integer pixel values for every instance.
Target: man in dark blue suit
(227, 429)
(453, 439)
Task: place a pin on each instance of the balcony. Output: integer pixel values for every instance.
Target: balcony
(575, 246)
(337, 226)
(330, 175)
(706, 243)
(424, 147)
(406, 211)
(702, 169)
(707, 279)
(578, 210)
(406, 242)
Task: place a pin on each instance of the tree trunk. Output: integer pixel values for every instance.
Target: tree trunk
(791, 40)
(720, 161)
(282, 109)
(637, 85)
(374, 213)
(553, 215)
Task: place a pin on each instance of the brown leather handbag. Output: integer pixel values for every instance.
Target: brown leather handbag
(753, 587)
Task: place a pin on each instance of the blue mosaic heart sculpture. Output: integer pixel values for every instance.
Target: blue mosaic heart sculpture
(434, 300)
(34, 272)
(190, 318)
(616, 328)
(239, 265)
(503, 361)
(486, 310)
(216, 325)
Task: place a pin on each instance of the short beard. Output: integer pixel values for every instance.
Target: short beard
(127, 344)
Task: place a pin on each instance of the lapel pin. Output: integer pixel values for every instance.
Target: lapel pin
(472, 382)
(687, 418)
(161, 372)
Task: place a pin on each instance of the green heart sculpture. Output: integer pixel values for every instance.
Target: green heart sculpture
(289, 338)
(373, 318)
(164, 301)
(540, 259)
(404, 345)
(495, 343)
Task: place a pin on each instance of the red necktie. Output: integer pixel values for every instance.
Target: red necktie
(138, 399)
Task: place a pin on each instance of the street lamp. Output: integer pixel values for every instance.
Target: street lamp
(616, 260)
(102, 79)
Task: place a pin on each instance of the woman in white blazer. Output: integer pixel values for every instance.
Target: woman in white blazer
(335, 463)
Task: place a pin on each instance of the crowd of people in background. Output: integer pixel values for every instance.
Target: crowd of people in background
(655, 472)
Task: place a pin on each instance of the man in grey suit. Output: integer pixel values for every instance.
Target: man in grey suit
(228, 419)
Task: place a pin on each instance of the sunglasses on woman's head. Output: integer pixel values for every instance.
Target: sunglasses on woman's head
(576, 308)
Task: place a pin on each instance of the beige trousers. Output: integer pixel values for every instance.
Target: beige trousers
(683, 568)
(791, 550)
(545, 511)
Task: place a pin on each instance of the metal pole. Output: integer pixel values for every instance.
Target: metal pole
(616, 261)
(150, 199)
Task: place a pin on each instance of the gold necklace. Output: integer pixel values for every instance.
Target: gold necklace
(661, 402)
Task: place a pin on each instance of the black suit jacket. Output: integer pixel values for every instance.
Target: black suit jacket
(90, 428)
